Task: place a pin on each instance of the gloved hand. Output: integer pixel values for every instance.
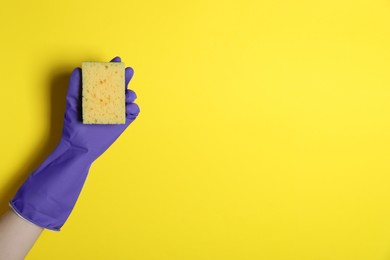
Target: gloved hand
(49, 194)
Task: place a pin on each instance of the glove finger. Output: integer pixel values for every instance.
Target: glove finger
(132, 110)
(130, 96)
(116, 59)
(74, 87)
(129, 72)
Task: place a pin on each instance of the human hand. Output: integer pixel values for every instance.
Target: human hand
(49, 194)
(94, 139)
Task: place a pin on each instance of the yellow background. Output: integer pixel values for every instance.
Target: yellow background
(264, 130)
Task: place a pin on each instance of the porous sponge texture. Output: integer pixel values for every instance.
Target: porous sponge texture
(103, 93)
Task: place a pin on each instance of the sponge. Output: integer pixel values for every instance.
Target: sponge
(103, 93)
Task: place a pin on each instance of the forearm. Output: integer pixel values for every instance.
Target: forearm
(17, 236)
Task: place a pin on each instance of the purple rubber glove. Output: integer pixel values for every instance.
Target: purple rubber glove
(49, 194)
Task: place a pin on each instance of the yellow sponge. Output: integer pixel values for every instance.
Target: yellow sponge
(103, 93)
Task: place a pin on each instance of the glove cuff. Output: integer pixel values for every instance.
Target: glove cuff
(49, 194)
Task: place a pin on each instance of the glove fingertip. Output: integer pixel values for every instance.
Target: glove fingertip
(132, 110)
(129, 72)
(116, 59)
(130, 96)
(76, 73)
